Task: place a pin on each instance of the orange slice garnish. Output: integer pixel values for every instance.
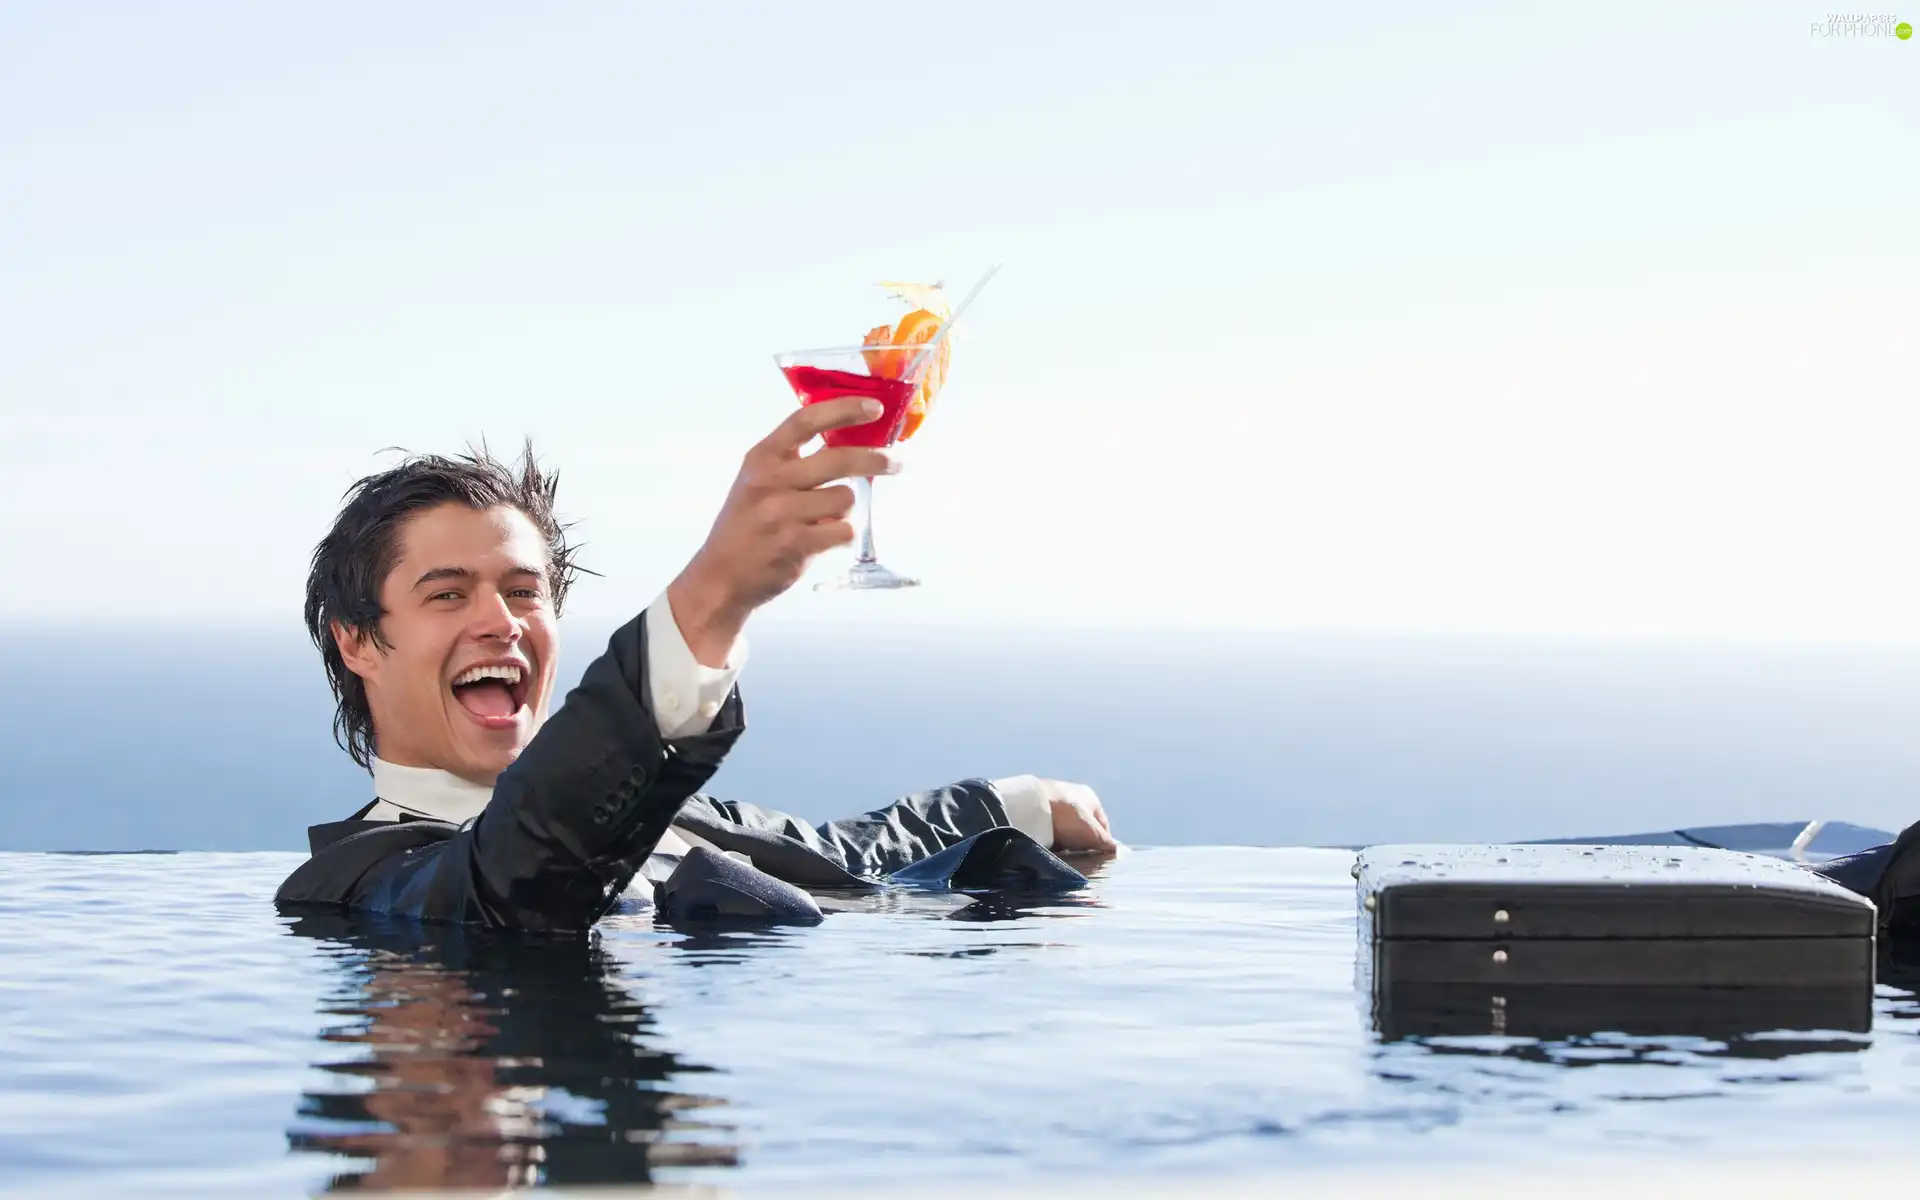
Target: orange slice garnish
(923, 395)
(884, 364)
(917, 328)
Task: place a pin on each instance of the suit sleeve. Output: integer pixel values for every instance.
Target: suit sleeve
(874, 844)
(572, 819)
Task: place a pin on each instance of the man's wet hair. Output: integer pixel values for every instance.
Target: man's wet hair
(352, 562)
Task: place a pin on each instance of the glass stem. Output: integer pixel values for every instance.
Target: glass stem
(863, 500)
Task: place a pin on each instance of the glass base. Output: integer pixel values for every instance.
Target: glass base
(869, 576)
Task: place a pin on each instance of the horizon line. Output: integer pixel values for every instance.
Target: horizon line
(902, 626)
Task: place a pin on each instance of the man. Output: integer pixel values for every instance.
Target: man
(434, 603)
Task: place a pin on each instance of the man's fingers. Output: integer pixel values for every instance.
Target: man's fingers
(1098, 834)
(809, 421)
(1097, 831)
(1086, 802)
(822, 503)
(838, 462)
(824, 535)
(1091, 840)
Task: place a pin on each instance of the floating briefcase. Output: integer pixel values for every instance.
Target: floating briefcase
(1548, 940)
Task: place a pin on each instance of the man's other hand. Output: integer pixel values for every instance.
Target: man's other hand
(778, 517)
(1079, 821)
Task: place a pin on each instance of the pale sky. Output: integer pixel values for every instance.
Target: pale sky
(1589, 319)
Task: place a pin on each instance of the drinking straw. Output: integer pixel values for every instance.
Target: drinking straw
(947, 326)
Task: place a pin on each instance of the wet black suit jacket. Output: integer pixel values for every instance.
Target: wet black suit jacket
(1889, 876)
(576, 816)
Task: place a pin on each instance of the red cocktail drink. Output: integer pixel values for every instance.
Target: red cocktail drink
(815, 384)
(902, 365)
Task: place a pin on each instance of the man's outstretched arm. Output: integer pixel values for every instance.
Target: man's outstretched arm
(1063, 816)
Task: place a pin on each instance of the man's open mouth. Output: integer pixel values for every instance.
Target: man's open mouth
(493, 692)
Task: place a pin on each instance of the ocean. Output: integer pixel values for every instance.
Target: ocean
(204, 739)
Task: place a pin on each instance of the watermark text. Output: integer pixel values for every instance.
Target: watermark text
(1862, 25)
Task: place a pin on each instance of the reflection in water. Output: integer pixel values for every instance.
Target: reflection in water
(1550, 1012)
(1900, 962)
(479, 1059)
(1013, 907)
(1602, 1026)
(487, 1060)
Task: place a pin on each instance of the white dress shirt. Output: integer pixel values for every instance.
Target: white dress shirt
(686, 698)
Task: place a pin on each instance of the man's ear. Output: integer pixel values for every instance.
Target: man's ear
(361, 655)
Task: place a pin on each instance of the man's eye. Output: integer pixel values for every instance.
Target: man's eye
(526, 593)
(444, 596)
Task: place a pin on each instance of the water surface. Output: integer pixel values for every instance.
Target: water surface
(1193, 1014)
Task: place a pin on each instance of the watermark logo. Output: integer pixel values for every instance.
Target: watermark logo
(1862, 25)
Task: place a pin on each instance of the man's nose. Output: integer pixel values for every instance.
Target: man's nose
(493, 619)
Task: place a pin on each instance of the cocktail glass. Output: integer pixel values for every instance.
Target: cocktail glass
(820, 375)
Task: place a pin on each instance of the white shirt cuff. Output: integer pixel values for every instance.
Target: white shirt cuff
(686, 695)
(1028, 806)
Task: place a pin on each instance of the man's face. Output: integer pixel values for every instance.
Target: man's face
(468, 673)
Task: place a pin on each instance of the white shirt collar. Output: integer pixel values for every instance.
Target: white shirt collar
(425, 792)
